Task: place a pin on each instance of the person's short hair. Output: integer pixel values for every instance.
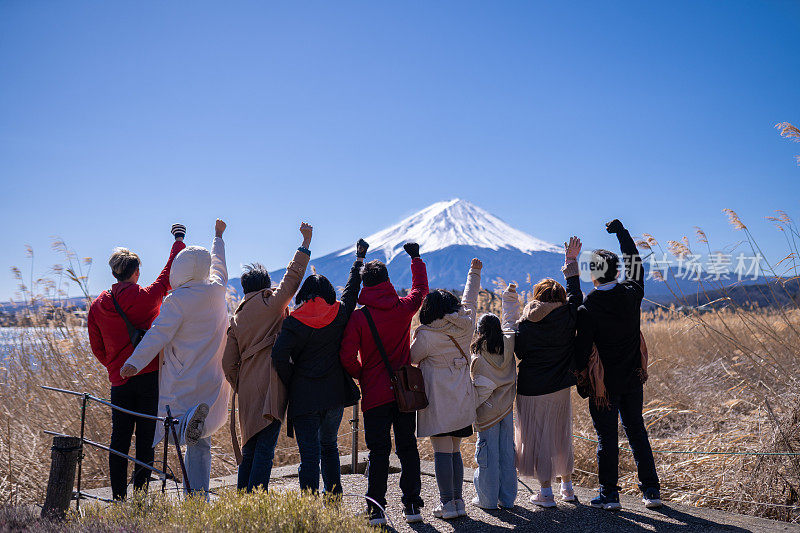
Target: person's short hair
(437, 304)
(604, 266)
(314, 286)
(123, 263)
(373, 273)
(255, 278)
(549, 290)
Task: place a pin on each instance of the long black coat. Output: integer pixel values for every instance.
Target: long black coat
(546, 348)
(307, 358)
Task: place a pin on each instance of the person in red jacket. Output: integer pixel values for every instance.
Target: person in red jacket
(392, 316)
(111, 345)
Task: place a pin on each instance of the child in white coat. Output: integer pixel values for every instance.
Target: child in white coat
(494, 374)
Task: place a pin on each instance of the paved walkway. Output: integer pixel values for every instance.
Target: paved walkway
(579, 517)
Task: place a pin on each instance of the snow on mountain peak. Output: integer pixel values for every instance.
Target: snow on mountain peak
(448, 223)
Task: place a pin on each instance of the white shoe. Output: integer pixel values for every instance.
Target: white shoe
(543, 501)
(568, 496)
(196, 424)
(446, 511)
(477, 503)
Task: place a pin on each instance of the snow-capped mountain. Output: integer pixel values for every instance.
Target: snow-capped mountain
(450, 234)
(451, 223)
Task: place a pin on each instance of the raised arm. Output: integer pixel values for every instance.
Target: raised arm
(231, 358)
(470, 298)
(219, 271)
(160, 287)
(419, 280)
(162, 331)
(572, 250)
(296, 269)
(509, 303)
(351, 288)
(634, 270)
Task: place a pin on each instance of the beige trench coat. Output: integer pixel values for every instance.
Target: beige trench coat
(247, 361)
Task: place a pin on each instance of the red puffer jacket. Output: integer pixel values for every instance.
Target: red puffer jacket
(108, 335)
(392, 316)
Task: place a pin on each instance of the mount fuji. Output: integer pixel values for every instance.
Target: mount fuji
(450, 234)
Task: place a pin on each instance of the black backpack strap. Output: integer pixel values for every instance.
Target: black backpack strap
(131, 328)
(379, 343)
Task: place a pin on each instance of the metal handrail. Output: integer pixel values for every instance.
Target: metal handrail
(169, 427)
(106, 403)
(160, 473)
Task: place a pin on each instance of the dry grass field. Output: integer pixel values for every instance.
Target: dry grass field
(723, 381)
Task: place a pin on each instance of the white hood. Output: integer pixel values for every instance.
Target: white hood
(193, 263)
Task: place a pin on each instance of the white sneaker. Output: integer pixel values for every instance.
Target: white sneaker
(196, 424)
(652, 498)
(446, 511)
(543, 501)
(568, 496)
(477, 503)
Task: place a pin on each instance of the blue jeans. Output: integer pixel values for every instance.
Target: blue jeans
(316, 435)
(257, 455)
(628, 407)
(496, 476)
(198, 465)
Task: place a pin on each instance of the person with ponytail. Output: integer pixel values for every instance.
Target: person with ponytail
(494, 375)
(545, 347)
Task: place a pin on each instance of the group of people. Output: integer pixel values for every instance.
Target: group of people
(172, 344)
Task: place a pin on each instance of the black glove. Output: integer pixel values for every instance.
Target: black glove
(615, 226)
(411, 249)
(361, 249)
(178, 231)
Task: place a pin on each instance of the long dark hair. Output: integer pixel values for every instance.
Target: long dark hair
(437, 304)
(490, 335)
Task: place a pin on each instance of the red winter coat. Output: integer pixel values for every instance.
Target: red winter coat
(392, 316)
(108, 334)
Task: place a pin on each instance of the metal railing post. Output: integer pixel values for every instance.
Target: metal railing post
(84, 401)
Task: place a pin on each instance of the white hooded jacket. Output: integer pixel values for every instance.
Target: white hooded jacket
(191, 331)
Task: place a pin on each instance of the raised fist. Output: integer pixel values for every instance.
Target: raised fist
(361, 248)
(306, 230)
(615, 226)
(476, 263)
(411, 249)
(219, 227)
(178, 231)
(572, 249)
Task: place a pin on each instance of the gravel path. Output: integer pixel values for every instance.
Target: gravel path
(580, 517)
(566, 517)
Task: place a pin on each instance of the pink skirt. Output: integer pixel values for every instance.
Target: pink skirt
(543, 435)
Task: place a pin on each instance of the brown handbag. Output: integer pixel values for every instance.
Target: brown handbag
(408, 385)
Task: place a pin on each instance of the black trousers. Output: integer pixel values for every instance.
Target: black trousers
(627, 406)
(139, 394)
(378, 423)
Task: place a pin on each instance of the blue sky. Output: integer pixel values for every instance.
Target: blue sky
(117, 119)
